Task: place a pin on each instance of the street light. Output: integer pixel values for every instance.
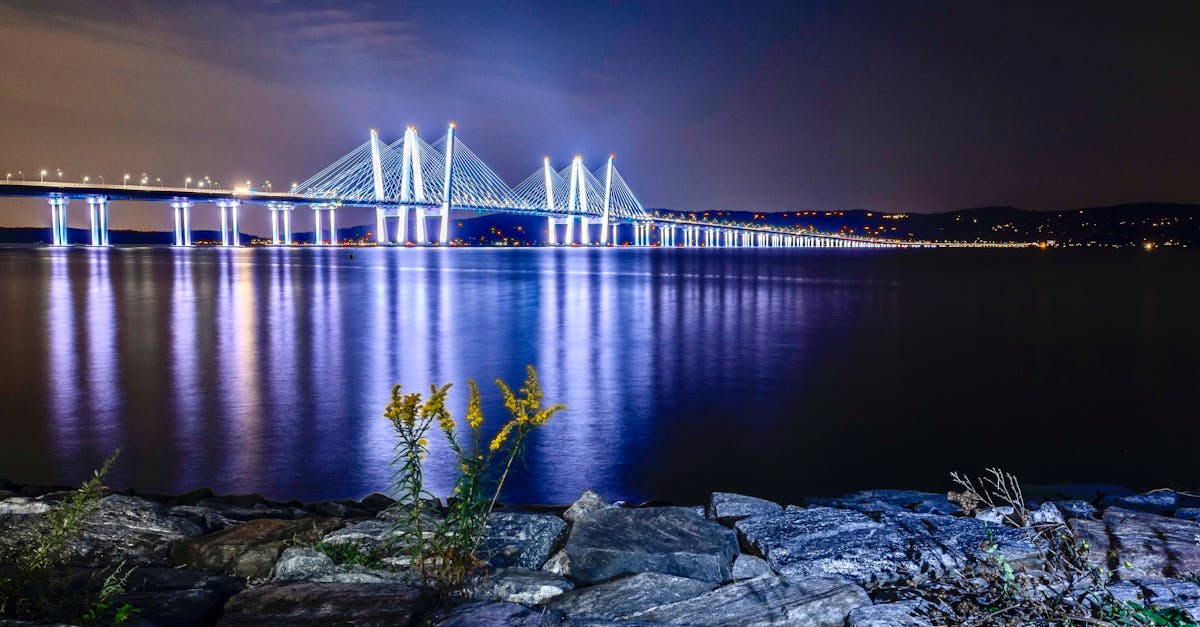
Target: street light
(60, 176)
(43, 179)
(8, 177)
(159, 181)
(187, 181)
(101, 178)
(86, 179)
(126, 180)
(21, 173)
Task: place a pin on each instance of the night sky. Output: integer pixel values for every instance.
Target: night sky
(905, 106)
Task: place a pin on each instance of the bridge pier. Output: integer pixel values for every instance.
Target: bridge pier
(318, 235)
(98, 214)
(277, 208)
(181, 215)
(58, 220)
(230, 236)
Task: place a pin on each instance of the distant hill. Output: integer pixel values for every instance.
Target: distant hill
(1160, 224)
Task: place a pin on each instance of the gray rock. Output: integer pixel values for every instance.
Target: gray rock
(627, 596)
(898, 614)
(209, 520)
(996, 515)
(826, 542)
(339, 509)
(23, 505)
(520, 539)
(747, 566)
(367, 535)
(727, 507)
(765, 601)
(1163, 593)
(478, 614)
(304, 604)
(303, 564)
(587, 502)
(559, 563)
(671, 540)
(1047, 514)
(521, 585)
(123, 528)
(1076, 509)
(1188, 513)
(238, 510)
(1154, 546)
(892, 501)
(1157, 502)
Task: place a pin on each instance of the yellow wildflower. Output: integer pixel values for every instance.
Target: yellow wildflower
(498, 441)
(474, 406)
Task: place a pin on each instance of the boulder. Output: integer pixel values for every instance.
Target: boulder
(304, 604)
(1076, 509)
(587, 502)
(367, 535)
(176, 597)
(339, 509)
(521, 585)
(898, 614)
(1158, 502)
(765, 601)
(1151, 545)
(1047, 514)
(879, 501)
(1163, 593)
(481, 613)
(747, 566)
(626, 596)
(123, 528)
(826, 542)
(23, 505)
(1188, 513)
(671, 540)
(209, 520)
(521, 539)
(305, 564)
(997, 515)
(249, 549)
(728, 508)
(376, 502)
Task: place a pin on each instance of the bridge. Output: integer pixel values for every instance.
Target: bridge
(409, 182)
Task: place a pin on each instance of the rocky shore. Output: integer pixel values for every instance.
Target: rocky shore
(885, 557)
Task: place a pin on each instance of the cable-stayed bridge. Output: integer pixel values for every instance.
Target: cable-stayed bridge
(410, 182)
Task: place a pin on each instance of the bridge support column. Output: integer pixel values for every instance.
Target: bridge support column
(333, 240)
(585, 237)
(381, 237)
(58, 220)
(98, 212)
(287, 228)
(318, 240)
(614, 234)
(180, 210)
(422, 235)
(230, 235)
(402, 227)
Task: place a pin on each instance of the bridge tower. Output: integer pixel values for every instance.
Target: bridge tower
(229, 213)
(412, 187)
(607, 200)
(381, 235)
(577, 197)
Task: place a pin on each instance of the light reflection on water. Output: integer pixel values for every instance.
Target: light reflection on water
(781, 373)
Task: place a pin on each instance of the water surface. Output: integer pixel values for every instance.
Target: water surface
(780, 373)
